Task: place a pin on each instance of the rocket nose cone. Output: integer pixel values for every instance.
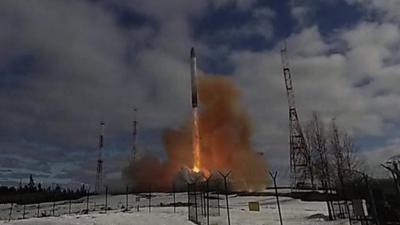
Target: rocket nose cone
(192, 53)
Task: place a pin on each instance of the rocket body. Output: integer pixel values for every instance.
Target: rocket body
(196, 133)
(193, 76)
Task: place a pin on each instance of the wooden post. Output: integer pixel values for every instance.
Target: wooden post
(188, 196)
(87, 202)
(195, 201)
(106, 205)
(69, 207)
(11, 209)
(149, 198)
(38, 209)
(173, 195)
(219, 207)
(208, 199)
(54, 206)
(126, 199)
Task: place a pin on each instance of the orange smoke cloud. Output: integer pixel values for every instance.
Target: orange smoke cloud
(225, 132)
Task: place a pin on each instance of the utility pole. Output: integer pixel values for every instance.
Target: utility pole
(99, 171)
(134, 136)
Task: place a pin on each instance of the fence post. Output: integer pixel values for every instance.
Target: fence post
(126, 199)
(105, 208)
(11, 209)
(69, 207)
(149, 198)
(87, 202)
(345, 197)
(274, 176)
(54, 206)
(138, 202)
(23, 212)
(225, 176)
(205, 197)
(208, 199)
(203, 188)
(38, 210)
(331, 202)
(326, 186)
(219, 207)
(188, 196)
(195, 201)
(173, 195)
(201, 198)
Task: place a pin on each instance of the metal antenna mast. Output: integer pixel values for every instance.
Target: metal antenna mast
(134, 134)
(300, 171)
(99, 171)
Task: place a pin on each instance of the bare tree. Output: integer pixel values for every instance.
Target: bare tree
(317, 141)
(351, 160)
(343, 153)
(332, 151)
(318, 146)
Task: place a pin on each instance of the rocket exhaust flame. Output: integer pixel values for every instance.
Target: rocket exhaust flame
(196, 142)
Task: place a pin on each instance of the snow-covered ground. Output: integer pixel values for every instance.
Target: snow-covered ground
(293, 212)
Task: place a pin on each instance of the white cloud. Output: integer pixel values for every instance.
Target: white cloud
(308, 42)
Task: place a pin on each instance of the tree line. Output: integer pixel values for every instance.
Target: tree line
(35, 193)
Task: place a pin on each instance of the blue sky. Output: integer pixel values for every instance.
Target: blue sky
(64, 66)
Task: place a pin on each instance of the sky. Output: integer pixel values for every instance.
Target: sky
(66, 65)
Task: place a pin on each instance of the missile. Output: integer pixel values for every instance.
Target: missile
(193, 76)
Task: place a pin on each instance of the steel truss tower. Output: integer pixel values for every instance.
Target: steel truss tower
(134, 134)
(99, 170)
(300, 158)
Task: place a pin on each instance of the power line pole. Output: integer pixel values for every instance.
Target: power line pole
(300, 158)
(99, 171)
(134, 136)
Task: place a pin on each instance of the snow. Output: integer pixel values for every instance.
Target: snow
(293, 212)
(117, 218)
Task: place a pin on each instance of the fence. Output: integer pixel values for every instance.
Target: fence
(129, 202)
(204, 201)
